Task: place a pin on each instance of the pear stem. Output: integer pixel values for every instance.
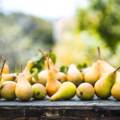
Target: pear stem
(90, 58)
(116, 69)
(99, 53)
(21, 68)
(42, 54)
(48, 61)
(46, 97)
(4, 60)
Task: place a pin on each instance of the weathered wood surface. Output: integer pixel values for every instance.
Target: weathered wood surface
(73, 102)
(74, 109)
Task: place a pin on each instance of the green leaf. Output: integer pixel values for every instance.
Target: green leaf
(16, 70)
(35, 73)
(37, 57)
(81, 67)
(64, 69)
(53, 56)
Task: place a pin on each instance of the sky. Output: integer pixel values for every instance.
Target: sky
(47, 9)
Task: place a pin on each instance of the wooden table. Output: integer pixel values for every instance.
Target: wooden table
(74, 109)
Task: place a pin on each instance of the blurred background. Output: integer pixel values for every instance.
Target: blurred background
(70, 28)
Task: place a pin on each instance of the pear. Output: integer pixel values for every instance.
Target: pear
(42, 77)
(8, 77)
(115, 91)
(103, 86)
(85, 91)
(92, 74)
(4, 60)
(39, 91)
(103, 66)
(23, 89)
(117, 79)
(74, 75)
(61, 77)
(1, 71)
(8, 90)
(53, 84)
(5, 69)
(66, 91)
(27, 71)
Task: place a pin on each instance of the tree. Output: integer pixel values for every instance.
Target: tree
(102, 17)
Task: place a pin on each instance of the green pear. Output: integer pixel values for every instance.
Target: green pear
(66, 91)
(103, 66)
(91, 75)
(8, 90)
(24, 90)
(39, 91)
(74, 75)
(85, 91)
(103, 86)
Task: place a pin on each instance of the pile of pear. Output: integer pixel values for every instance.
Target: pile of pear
(101, 79)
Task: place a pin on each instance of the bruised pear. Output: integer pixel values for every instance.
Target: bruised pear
(74, 75)
(85, 91)
(61, 77)
(23, 89)
(39, 91)
(8, 90)
(8, 77)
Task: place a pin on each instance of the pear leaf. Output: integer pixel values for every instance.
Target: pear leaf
(37, 57)
(16, 70)
(35, 73)
(64, 69)
(52, 56)
(81, 67)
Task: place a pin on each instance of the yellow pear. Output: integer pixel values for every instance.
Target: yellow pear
(5, 69)
(92, 74)
(27, 71)
(61, 77)
(8, 90)
(103, 86)
(85, 91)
(117, 79)
(39, 91)
(24, 90)
(74, 75)
(53, 84)
(103, 66)
(115, 91)
(66, 91)
(4, 60)
(8, 77)
(43, 77)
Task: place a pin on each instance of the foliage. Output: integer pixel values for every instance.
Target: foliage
(102, 17)
(21, 36)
